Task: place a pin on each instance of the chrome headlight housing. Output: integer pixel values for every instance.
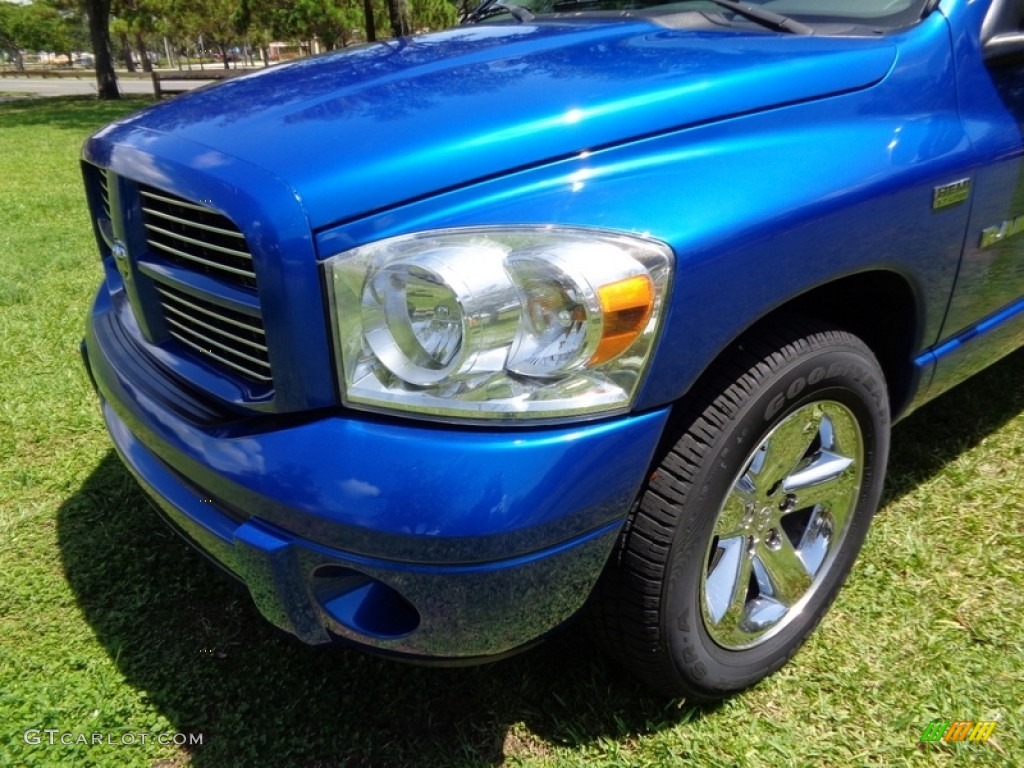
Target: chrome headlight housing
(497, 322)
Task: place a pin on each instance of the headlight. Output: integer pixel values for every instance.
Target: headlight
(491, 323)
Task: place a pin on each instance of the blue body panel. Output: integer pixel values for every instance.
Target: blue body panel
(501, 534)
(399, 490)
(772, 165)
(986, 311)
(374, 127)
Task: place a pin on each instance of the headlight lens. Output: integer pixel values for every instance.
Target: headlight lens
(491, 323)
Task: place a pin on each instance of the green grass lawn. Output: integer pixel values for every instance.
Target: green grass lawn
(109, 624)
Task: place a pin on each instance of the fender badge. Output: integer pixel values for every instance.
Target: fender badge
(951, 194)
(993, 235)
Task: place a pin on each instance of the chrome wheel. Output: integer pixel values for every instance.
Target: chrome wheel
(751, 520)
(781, 525)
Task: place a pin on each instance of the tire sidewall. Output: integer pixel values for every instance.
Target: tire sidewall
(846, 375)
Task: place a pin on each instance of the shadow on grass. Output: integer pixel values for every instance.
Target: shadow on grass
(930, 438)
(200, 654)
(194, 646)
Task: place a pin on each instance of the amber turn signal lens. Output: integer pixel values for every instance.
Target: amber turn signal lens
(627, 306)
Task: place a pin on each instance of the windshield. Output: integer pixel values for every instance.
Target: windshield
(878, 15)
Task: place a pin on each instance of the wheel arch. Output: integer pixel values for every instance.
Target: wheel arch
(879, 306)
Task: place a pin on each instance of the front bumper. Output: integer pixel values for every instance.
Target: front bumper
(429, 541)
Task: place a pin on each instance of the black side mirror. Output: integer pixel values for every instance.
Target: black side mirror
(1004, 47)
(1002, 33)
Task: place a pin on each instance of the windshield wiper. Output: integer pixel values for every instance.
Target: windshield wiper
(755, 13)
(489, 8)
(765, 17)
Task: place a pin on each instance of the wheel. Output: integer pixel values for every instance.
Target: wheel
(751, 520)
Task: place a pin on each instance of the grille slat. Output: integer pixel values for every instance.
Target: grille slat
(221, 360)
(207, 326)
(193, 241)
(197, 260)
(198, 238)
(204, 227)
(209, 346)
(166, 197)
(104, 193)
(227, 336)
(181, 300)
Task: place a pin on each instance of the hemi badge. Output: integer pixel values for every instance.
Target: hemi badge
(951, 194)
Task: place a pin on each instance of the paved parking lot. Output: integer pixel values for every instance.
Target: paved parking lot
(71, 86)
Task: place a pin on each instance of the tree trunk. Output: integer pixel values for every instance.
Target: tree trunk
(371, 26)
(126, 55)
(398, 10)
(99, 33)
(140, 43)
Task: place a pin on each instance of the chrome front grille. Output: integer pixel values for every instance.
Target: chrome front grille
(196, 238)
(217, 333)
(193, 285)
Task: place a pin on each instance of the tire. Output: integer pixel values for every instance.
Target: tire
(751, 520)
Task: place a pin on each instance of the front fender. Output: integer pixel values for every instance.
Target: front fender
(759, 209)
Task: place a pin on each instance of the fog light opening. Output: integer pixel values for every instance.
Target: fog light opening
(363, 604)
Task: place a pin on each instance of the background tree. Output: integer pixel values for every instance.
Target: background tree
(9, 43)
(119, 39)
(254, 19)
(398, 12)
(71, 31)
(327, 21)
(216, 23)
(136, 22)
(433, 14)
(45, 25)
(137, 26)
(35, 26)
(98, 12)
(171, 24)
(184, 22)
(369, 25)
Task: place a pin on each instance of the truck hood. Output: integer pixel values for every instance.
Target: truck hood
(365, 129)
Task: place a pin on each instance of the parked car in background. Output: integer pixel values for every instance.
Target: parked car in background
(604, 306)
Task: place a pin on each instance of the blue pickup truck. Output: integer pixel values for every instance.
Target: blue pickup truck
(584, 307)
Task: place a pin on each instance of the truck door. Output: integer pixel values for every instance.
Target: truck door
(986, 315)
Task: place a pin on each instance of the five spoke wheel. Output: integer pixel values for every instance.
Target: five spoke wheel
(753, 517)
(785, 517)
